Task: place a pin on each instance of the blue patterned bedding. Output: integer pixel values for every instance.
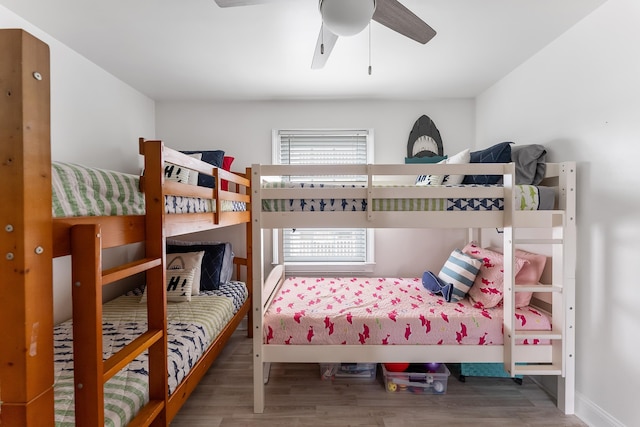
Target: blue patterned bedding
(528, 197)
(192, 326)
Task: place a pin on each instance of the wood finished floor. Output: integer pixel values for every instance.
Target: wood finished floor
(295, 396)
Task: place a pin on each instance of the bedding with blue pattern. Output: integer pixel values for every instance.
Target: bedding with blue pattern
(528, 197)
(191, 328)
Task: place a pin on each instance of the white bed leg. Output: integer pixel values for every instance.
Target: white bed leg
(258, 385)
(566, 393)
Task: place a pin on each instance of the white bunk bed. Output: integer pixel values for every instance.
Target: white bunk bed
(554, 228)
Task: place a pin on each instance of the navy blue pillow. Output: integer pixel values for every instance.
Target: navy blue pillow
(211, 262)
(213, 157)
(499, 153)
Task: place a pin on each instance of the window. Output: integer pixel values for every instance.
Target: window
(324, 249)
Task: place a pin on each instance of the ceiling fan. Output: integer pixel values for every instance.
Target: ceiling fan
(349, 17)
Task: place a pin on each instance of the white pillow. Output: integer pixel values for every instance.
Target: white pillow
(179, 283)
(186, 261)
(193, 175)
(461, 158)
(176, 173)
(179, 174)
(424, 180)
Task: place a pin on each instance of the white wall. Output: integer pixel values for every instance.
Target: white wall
(580, 96)
(243, 130)
(95, 120)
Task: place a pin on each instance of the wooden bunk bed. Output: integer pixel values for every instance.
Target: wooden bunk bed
(32, 238)
(554, 229)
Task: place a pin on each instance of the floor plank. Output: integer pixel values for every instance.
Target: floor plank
(297, 397)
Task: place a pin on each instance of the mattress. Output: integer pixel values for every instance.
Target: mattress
(192, 326)
(528, 197)
(383, 311)
(85, 191)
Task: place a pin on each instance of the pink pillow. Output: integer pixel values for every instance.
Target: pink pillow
(488, 287)
(529, 275)
(226, 165)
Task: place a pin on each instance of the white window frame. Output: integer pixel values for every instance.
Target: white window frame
(324, 267)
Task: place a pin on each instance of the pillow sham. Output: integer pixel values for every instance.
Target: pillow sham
(530, 274)
(188, 260)
(488, 287)
(498, 153)
(179, 283)
(214, 158)
(460, 270)
(217, 262)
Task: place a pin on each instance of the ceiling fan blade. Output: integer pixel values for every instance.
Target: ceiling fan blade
(320, 55)
(234, 3)
(394, 15)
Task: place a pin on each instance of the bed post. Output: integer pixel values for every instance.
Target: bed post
(566, 383)
(26, 294)
(249, 252)
(155, 278)
(258, 283)
(508, 322)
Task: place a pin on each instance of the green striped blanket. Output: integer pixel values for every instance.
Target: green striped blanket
(83, 191)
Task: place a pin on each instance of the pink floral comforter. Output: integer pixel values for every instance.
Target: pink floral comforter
(382, 311)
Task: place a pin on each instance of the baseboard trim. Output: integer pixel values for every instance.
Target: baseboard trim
(594, 415)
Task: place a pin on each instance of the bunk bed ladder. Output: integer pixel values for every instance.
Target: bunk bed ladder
(518, 366)
(561, 290)
(90, 375)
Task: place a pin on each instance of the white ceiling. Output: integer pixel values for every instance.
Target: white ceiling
(194, 50)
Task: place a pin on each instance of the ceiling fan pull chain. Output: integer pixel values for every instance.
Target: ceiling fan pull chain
(369, 47)
(321, 32)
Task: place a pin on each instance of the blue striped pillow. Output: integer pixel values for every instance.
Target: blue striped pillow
(460, 271)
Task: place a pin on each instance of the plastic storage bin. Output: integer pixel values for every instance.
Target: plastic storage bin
(350, 371)
(417, 382)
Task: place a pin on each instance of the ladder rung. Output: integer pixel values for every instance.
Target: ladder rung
(538, 241)
(537, 370)
(541, 335)
(538, 219)
(537, 288)
(127, 270)
(129, 352)
(147, 413)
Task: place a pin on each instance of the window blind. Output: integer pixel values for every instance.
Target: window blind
(309, 147)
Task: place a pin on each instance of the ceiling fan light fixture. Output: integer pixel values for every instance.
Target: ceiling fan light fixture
(347, 17)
